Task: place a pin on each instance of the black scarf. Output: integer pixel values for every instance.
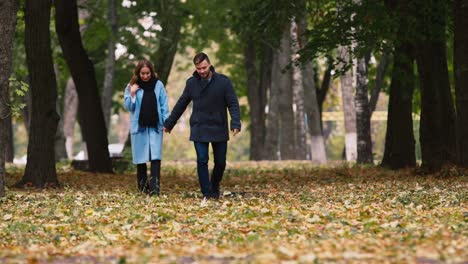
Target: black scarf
(149, 116)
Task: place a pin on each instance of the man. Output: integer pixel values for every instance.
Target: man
(212, 94)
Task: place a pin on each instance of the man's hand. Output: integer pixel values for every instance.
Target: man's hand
(166, 130)
(235, 131)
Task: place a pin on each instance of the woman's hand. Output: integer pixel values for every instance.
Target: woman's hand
(133, 89)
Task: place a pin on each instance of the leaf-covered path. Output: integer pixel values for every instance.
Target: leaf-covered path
(271, 212)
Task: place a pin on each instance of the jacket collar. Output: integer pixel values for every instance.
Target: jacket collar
(196, 75)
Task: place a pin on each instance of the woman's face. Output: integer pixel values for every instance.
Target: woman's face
(145, 74)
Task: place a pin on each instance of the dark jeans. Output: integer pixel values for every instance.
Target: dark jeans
(153, 186)
(210, 188)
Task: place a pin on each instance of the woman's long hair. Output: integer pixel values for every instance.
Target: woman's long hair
(139, 66)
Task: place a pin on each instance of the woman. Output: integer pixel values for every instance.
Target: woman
(145, 98)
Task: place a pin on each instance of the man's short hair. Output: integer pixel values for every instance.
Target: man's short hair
(200, 57)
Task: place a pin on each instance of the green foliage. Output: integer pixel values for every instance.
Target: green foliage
(18, 92)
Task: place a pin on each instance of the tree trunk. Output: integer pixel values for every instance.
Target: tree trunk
(265, 86)
(318, 152)
(171, 25)
(285, 107)
(399, 139)
(273, 122)
(60, 148)
(255, 104)
(82, 71)
(348, 109)
(437, 127)
(10, 147)
(461, 78)
(70, 110)
(312, 109)
(8, 9)
(40, 168)
(379, 79)
(298, 97)
(26, 111)
(109, 74)
(363, 114)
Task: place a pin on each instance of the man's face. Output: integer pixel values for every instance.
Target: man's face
(203, 69)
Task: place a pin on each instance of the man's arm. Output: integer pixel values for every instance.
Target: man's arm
(178, 110)
(232, 104)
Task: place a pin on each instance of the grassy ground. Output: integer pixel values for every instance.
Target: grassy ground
(271, 212)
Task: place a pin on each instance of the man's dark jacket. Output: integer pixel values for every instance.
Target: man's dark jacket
(208, 122)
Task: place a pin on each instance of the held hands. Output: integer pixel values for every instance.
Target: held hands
(166, 130)
(235, 131)
(133, 89)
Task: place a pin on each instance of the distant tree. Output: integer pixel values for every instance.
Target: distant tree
(109, 74)
(8, 11)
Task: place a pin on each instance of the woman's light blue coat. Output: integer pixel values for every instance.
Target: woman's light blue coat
(146, 142)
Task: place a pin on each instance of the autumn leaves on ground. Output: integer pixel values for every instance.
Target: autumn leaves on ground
(270, 212)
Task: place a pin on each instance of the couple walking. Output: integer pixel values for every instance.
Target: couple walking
(212, 95)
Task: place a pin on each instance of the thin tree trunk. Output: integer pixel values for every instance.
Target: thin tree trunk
(379, 78)
(265, 86)
(273, 124)
(109, 74)
(82, 71)
(8, 10)
(70, 110)
(26, 111)
(286, 113)
(437, 127)
(59, 146)
(317, 149)
(364, 141)
(461, 78)
(10, 147)
(298, 97)
(348, 109)
(40, 168)
(399, 139)
(254, 98)
(171, 25)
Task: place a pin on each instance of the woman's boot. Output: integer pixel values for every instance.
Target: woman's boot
(154, 182)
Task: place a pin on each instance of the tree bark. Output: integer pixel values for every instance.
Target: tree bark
(363, 114)
(437, 128)
(171, 24)
(10, 147)
(399, 139)
(40, 168)
(285, 107)
(461, 78)
(298, 97)
(109, 74)
(70, 110)
(272, 150)
(82, 71)
(379, 78)
(348, 109)
(264, 87)
(8, 9)
(255, 104)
